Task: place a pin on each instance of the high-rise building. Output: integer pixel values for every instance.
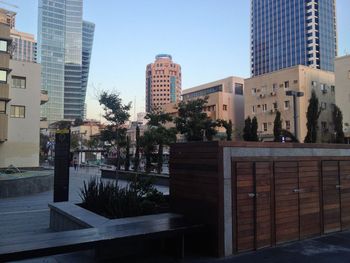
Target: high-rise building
(61, 52)
(24, 46)
(163, 82)
(8, 17)
(295, 32)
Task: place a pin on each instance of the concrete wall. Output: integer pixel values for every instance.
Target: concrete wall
(342, 90)
(22, 147)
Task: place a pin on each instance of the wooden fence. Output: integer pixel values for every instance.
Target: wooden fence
(256, 195)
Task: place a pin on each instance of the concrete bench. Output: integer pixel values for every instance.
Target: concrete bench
(24, 247)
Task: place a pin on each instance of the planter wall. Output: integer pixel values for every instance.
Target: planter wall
(256, 195)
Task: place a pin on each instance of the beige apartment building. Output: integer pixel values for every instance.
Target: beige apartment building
(163, 82)
(225, 100)
(24, 46)
(266, 94)
(342, 90)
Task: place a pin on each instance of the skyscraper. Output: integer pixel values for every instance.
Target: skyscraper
(288, 33)
(60, 51)
(163, 82)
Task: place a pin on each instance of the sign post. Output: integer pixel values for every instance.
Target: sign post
(62, 161)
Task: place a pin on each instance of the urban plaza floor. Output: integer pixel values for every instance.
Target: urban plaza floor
(30, 215)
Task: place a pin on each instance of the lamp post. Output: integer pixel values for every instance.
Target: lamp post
(295, 94)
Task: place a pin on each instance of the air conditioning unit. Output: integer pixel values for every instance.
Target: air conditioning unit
(262, 95)
(273, 93)
(272, 111)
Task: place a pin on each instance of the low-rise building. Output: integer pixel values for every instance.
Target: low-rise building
(225, 100)
(21, 148)
(342, 91)
(266, 94)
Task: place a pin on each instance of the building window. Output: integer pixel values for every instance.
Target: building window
(238, 89)
(274, 87)
(264, 126)
(18, 82)
(295, 81)
(3, 45)
(324, 126)
(275, 105)
(264, 107)
(253, 109)
(323, 105)
(286, 105)
(253, 91)
(286, 84)
(3, 75)
(17, 111)
(333, 89)
(349, 74)
(2, 106)
(288, 125)
(224, 107)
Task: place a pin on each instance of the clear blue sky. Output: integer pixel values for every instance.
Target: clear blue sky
(209, 38)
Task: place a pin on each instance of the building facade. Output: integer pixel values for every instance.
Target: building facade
(24, 46)
(21, 147)
(266, 94)
(342, 90)
(225, 100)
(60, 51)
(163, 82)
(8, 17)
(289, 33)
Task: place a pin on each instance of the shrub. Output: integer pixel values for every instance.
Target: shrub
(110, 200)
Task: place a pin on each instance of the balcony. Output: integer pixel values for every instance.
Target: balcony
(3, 127)
(44, 97)
(4, 91)
(44, 124)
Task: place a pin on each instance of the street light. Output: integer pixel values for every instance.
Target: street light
(295, 94)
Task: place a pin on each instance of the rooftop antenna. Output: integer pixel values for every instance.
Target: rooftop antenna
(6, 3)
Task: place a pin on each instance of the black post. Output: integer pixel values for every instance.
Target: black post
(295, 115)
(62, 161)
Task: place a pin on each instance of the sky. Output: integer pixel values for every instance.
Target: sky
(208, 38)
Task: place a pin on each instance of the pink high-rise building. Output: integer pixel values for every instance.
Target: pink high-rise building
(163, 82)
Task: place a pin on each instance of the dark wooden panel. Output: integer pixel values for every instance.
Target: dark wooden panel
(244, 206)
(309, 198)
(263, 175)
(344, 173)
(331, 197)
(286, 201)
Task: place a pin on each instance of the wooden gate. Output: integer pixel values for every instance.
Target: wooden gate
(253, 203)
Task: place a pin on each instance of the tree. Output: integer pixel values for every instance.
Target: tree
(254, 132)
(162, 136)
(277, 127)
(193, 122)
(116, 113)
(127, 154)
(137, 150)
(147, 142)
(78, 122)
(338, 124)
(247, 130)
(312, 115)
(228, 127)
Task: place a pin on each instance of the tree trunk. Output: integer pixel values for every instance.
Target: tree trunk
(160, 159)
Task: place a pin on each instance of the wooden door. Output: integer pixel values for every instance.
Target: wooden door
(331, 196)
(286, 201)
(263, 177)
(309, 198)
(344, 174)
(245, 203)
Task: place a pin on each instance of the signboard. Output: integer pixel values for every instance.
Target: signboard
(62, 162)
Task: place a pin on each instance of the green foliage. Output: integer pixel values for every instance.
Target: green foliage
(254, 133)
(160, 134)
(247, 130)
(78, 122)
(312, 115)
(137, 150)
(338, 124)
(277, 127)
(127, 154)
(193, 122)
(116, 113)
(74, 141)
(148, 144)
(112, 201)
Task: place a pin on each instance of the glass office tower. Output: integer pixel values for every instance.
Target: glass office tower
(288, 33)
(60, 52)
(88, 38)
